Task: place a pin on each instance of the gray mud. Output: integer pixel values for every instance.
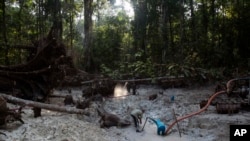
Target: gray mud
(55, 126)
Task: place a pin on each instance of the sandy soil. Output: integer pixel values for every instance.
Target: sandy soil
(55, 126)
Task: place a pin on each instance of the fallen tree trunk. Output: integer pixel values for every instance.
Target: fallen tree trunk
(142, 80)
(43, 105)
(105, 86)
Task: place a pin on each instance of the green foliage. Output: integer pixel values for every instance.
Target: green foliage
(132, 69)
(178, 70)
(141, 69)
(109, 40)
(214, 35)
(112, 73)
(217, 73)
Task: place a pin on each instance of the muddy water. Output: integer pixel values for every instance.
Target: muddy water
(150, 134)
(185, 101)
(54, 126)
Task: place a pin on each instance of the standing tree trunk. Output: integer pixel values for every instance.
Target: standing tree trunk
(205, 18)
(71, 23)
(57, 23)
(193, 28)
(140, 27)
(88, 27)
(4, 32)
(212, 13)
(182, 30)
(40, 19)
(164, 16)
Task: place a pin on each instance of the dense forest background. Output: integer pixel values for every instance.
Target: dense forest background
(161, 37)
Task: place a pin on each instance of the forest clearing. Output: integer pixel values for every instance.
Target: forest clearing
(57, 126)
(73, 70)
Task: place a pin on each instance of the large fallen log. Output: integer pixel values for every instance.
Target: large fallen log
(105, 86)
(51, 107)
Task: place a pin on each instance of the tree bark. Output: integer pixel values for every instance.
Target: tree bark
(4, 32)
(88, 25)
(43, 105)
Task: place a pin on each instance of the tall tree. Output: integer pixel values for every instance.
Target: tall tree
(164, 29)
(193, 24)
(140, 26)
(4, 32)
(88, 38)
(71, 21)
(55, 8)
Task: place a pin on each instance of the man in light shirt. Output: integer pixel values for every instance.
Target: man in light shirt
(137, 116)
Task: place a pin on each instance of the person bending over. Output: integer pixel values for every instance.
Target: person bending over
(137, 117)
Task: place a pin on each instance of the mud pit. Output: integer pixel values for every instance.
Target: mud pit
(55, 126)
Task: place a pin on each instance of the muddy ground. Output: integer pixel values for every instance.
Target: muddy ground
(55, 126)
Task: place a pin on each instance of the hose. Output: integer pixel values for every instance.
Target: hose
(195, 113)
(229, 83)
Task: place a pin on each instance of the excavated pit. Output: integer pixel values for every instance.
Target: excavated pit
(55, 126)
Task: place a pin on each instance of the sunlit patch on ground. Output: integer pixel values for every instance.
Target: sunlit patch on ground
(120, 91)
